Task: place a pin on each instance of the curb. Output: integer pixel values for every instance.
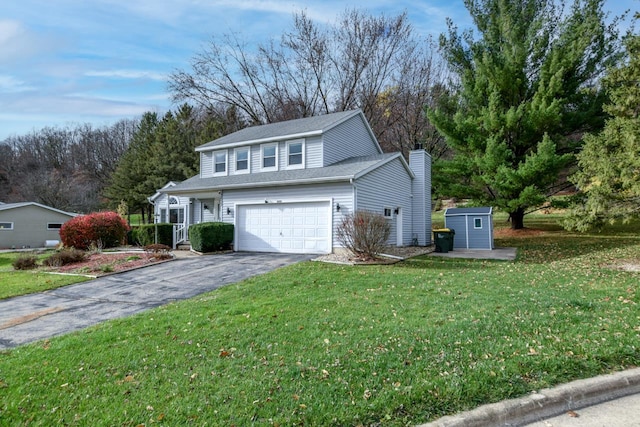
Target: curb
(547, 403)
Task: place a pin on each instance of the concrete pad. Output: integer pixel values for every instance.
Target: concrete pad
(505, 254)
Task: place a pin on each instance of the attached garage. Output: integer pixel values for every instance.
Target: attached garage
(300, 227)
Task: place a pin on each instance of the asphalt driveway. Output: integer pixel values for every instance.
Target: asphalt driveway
(37, 316)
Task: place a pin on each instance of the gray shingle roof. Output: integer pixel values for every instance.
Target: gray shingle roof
(481, 210)
(289, 128)
(7, 206)
(342, 171)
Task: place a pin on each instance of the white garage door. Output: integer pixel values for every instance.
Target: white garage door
(285, 227)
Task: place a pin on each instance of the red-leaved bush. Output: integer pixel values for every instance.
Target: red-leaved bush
(101, 229)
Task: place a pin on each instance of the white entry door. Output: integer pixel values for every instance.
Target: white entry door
(303, 227)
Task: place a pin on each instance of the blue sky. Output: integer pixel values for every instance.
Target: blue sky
(71, 61)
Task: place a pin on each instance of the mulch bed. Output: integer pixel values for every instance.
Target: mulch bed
(99, 264)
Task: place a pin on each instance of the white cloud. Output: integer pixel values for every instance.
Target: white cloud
(9, 84)
(128, 74)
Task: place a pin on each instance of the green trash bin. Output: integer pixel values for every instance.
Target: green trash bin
(452, 234)
(442, 240)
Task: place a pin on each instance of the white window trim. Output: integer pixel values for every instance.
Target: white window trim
(226, 163)
(384, 212)
(235, 155)
(474, 224)
(7, 229)
(296, 141)
(262, 148)
(53, 229)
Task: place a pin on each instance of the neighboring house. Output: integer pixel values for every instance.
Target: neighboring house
(473, 227)
(30, 225)
(287, 186)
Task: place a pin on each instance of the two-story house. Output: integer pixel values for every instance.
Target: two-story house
(287, 186)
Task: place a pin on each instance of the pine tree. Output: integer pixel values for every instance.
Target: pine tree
(609, 164)
(526, 92)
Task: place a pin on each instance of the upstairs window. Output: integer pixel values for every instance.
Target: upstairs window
(242, 160)
(220, 163)
(295, 155)
(270, 157)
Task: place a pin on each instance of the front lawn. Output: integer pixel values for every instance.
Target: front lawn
(13, 283)
(320, 344)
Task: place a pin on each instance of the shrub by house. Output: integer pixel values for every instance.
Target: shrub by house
(211, 236)
(101, 229)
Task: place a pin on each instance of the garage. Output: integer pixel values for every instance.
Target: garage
(302, 227)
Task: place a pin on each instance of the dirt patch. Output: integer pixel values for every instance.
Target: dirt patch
(523, 232)
(99, 264)
(628, 265)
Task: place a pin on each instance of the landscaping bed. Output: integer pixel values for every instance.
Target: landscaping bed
(99, 264)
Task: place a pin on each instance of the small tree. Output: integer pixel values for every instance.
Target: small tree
(364, 234)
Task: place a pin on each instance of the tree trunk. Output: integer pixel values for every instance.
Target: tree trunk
(517, 219)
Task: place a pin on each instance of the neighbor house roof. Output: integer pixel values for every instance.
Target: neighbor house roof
(345, 170)
(8, 206)
(290, 129)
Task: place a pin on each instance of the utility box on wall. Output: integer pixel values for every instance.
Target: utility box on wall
(473, 227)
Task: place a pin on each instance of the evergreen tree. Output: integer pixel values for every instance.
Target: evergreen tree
(526, 92)
(609, 174)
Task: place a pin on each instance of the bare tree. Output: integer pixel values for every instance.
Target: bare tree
(374, 63)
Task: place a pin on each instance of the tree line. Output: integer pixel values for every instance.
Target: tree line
(506, 109)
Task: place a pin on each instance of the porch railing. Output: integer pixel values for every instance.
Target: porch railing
(179, 234)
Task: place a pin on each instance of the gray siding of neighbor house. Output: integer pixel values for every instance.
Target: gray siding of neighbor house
(420, 164)
(350, 139)
(30, 226)
(386, 186)
(341, 193)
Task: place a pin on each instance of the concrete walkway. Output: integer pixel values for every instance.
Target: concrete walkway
(43, 315)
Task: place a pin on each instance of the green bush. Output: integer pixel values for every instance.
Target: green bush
(143, 235)
(25, 262)
(211, 236)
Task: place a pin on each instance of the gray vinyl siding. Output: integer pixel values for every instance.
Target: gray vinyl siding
(350, 139)
(468, 237)
(341, 193)
(387, 186)
(420, 164)
(30, 226)
(206, 164)
(313, 148)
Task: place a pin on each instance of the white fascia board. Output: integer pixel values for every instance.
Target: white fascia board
(260, 141)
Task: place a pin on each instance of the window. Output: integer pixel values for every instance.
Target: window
(54, 226)
(176, 216)
(6, 226)
(387, 212)
(477, 223)
(242, 160)
(295, 154)
(220, 163)
(163, 216)
(270, 157)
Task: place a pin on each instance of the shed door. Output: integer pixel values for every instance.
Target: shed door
(303, 227)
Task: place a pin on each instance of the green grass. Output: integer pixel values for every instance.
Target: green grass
(320, 344)
(13, 283)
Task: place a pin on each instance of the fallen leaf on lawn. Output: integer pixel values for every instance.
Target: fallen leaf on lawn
(573, 414)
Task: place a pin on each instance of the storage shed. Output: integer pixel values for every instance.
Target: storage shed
(473, 227)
